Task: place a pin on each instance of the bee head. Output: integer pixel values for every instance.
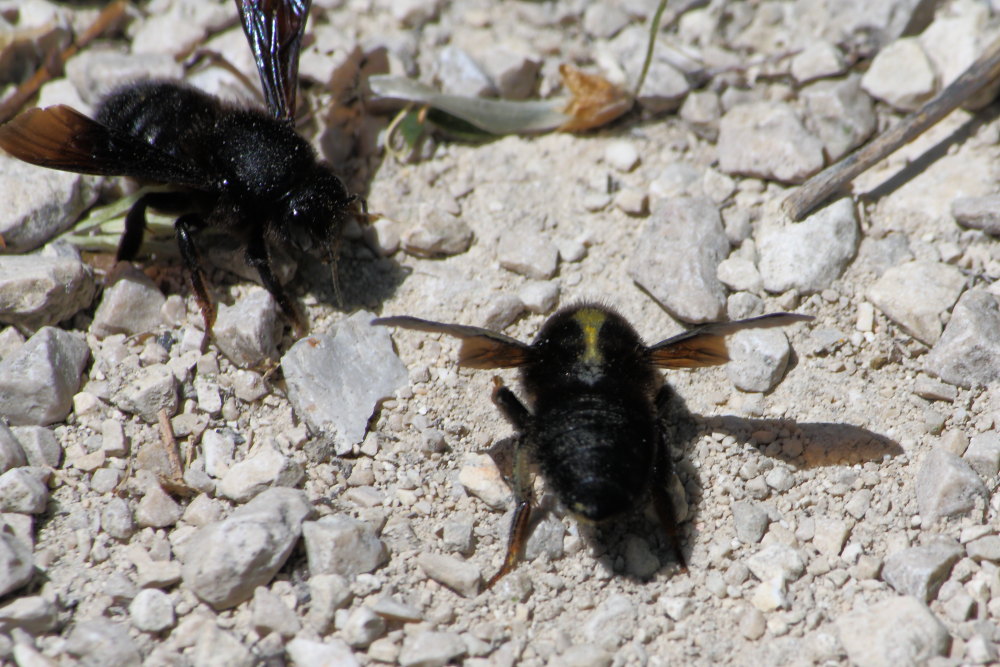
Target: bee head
(315, 211)
(585, 344)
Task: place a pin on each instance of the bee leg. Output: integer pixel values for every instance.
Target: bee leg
(135, 222)
(518, 415)
(135, 227)
(185, 227)
(258, 257)
(522, 514)
(664, 506)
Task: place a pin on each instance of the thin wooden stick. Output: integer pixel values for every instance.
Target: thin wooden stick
(53, 66)
(821, 186)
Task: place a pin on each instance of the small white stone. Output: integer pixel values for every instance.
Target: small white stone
(622, 155)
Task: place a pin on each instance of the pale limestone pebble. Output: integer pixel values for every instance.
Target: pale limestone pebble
(808, 256)
(10, 340)
(900, 630)
(776, 562)
(831, 534)
(157, 573)
(604, 20)
(431, 649)
(818, 60)
(131, 305)
(157, 509)
(327, 594)
(980, 650)
(24, 490)
(752, 623)
(460, 576)
(757, 359)
(480, 476)
(539, 296)
(956, 38)
(858, 504)
(264, 467)
(513, 72)
(339, 544)
(984, 548)
(920, 571)
(621, 155)
(676, 258)
(640, 561)
(249, 386)
(740, 275)
(866, 317)
(224, 562)
(361, 627)
(383, 236)
(217, 448)
(37, 291)
(117, 520)
(901, 75)
(546, 538)
(632, 201)
(148, 391)
(767, 140)
(333, 652)
(16, 563)
(271, 614)
(460, 74)
(677, 179)
(38, 381)
(456, 535)
(336, 380)
(35, 614)
(701, 110)
(530, 254)
(215, 646)
(583, 655)
(39, 203)
(933, 389)
(102, 642)
(770, 595)
(840, 114)
(105, 480)
(915, 294)
(947, 486)
(676, 607)
(392, 610)
(665, 86)
(113, 440)
(248, 331)
(501, 311)
(983, 454)
(12, 455)
(437, 234)
(203, 510)
(571, 250)
(978, 213)
(750, 520)
(612, 623)
(968, 351)
(152, 611)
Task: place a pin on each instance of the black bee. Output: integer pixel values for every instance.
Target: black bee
(239, 169)
(592, 427)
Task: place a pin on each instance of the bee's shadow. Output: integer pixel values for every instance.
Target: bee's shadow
(617, 546)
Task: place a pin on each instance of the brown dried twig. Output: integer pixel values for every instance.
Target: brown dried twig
(820, 187)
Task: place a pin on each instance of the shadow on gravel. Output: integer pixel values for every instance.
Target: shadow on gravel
(933, 154)
(823, 444)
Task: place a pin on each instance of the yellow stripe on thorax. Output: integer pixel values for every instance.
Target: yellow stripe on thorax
(591, 321)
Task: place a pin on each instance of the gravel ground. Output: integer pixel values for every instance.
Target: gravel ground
(337, 505)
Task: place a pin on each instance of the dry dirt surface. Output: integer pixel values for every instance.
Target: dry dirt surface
(335, 504)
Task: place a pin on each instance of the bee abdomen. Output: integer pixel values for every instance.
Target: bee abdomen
(161, 113)
(597, 454)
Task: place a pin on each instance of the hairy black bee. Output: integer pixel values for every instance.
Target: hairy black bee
(592, 427)
(243, 170)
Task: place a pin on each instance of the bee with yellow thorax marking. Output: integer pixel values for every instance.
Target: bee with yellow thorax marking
(591, 383)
